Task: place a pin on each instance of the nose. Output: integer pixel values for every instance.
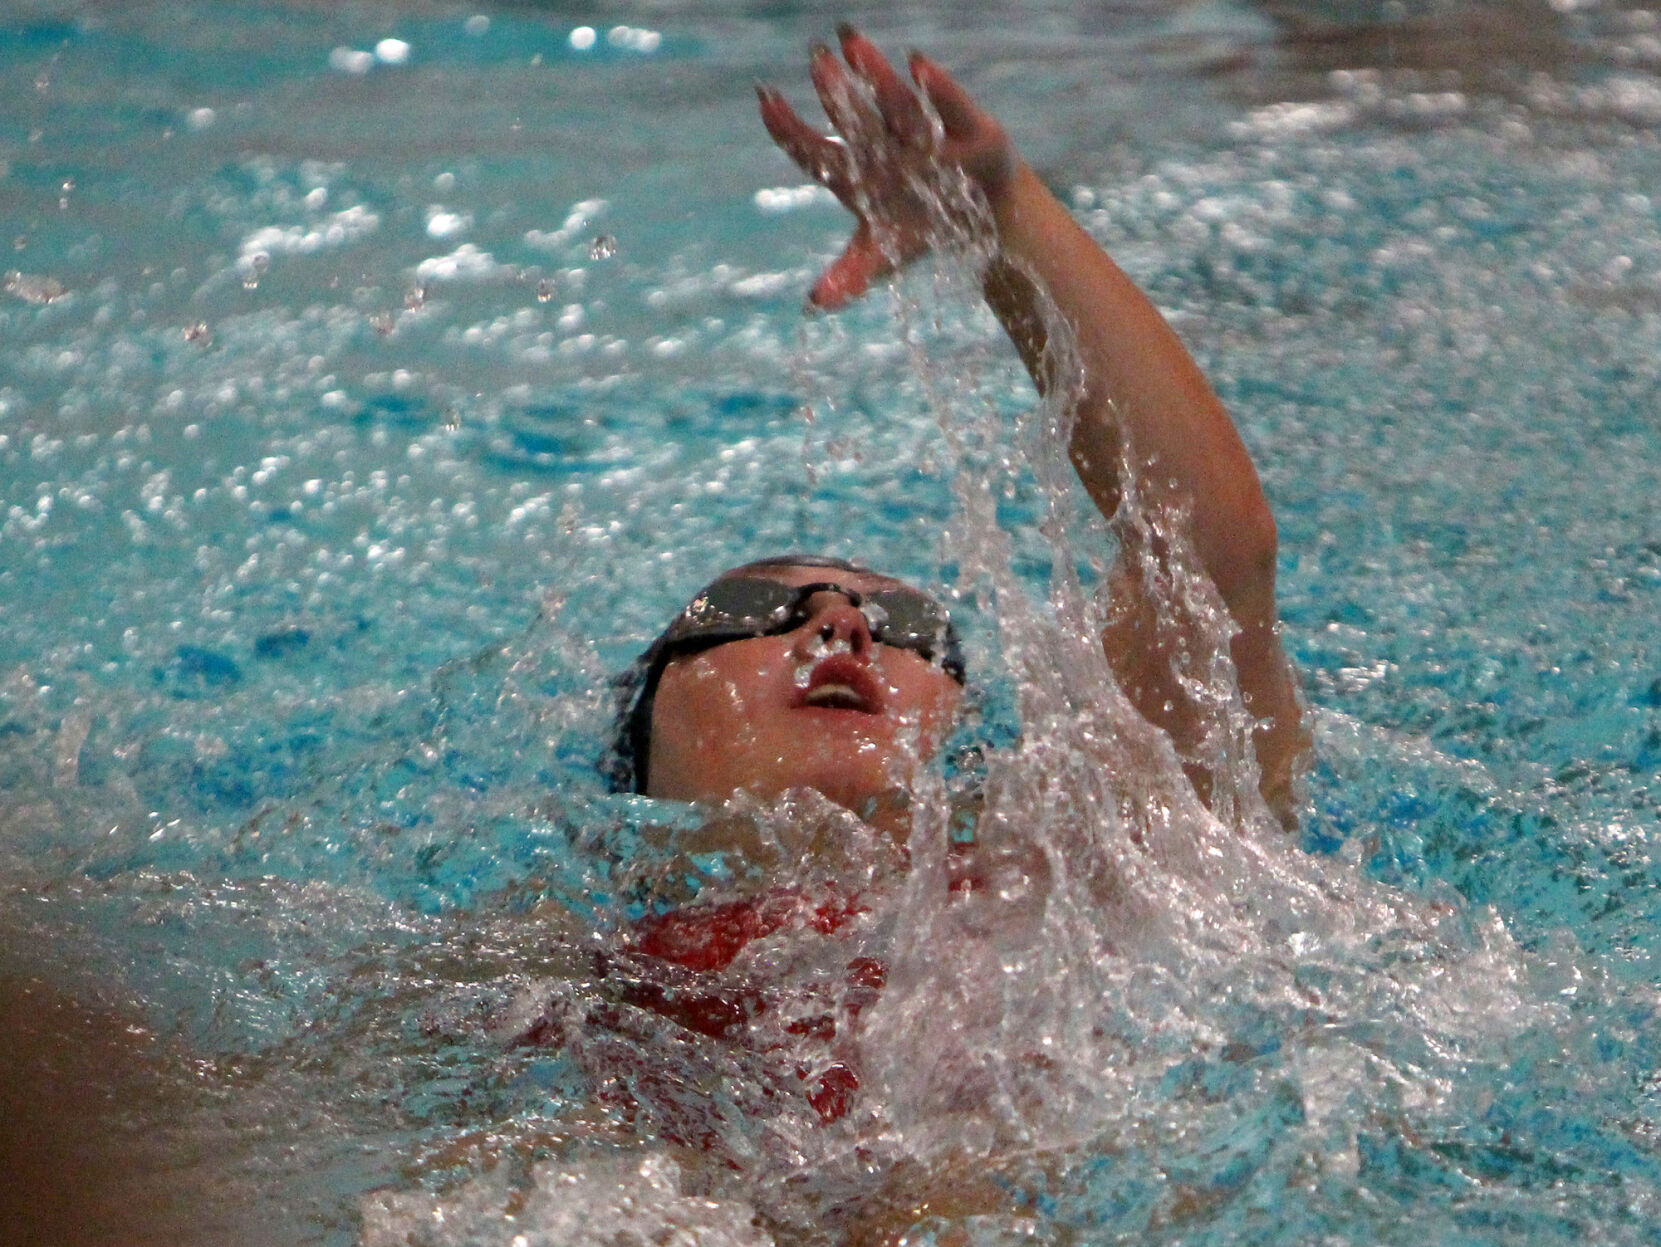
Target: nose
(831, 617)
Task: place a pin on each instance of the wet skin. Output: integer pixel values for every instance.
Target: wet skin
(822, 707)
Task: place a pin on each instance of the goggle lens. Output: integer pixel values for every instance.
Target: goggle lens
(740, 607)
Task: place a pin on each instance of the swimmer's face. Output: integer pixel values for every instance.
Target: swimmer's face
(822, 707)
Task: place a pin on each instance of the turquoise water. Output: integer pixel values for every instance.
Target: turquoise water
(361, 411)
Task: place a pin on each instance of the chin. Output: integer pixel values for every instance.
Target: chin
(860, 784)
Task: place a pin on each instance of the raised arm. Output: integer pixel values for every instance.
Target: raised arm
(1138, 395)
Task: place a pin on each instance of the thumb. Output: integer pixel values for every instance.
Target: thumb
(851, 273)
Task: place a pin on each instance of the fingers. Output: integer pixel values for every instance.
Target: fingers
(821, 158)
(852, 112)
(958, 112)
(873, 102)
(902, 111)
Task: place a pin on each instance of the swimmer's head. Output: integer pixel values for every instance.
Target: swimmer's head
(797, 671)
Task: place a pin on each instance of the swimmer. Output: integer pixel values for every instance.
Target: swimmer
(798, 672)
(803, 672)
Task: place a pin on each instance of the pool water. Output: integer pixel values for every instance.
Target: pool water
(377, 381)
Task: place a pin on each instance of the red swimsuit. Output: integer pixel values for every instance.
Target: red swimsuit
(675, 967)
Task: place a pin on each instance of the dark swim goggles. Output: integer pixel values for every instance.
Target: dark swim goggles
(738, 608)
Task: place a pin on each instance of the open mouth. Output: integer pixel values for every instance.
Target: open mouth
(842, 682)
(836, 697)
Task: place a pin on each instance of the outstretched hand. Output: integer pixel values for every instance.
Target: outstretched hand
(893, 158)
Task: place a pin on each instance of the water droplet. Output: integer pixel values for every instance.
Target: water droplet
(603, 247)
(199, 333)
(416, 298)
(253, 268)
(546, 290)
(383, 324)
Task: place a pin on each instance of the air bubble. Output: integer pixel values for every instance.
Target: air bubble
(442, 223)
(602, 248)
(351, 60)
(32, 288)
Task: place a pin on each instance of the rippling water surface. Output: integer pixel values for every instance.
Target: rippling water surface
(376, 381)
